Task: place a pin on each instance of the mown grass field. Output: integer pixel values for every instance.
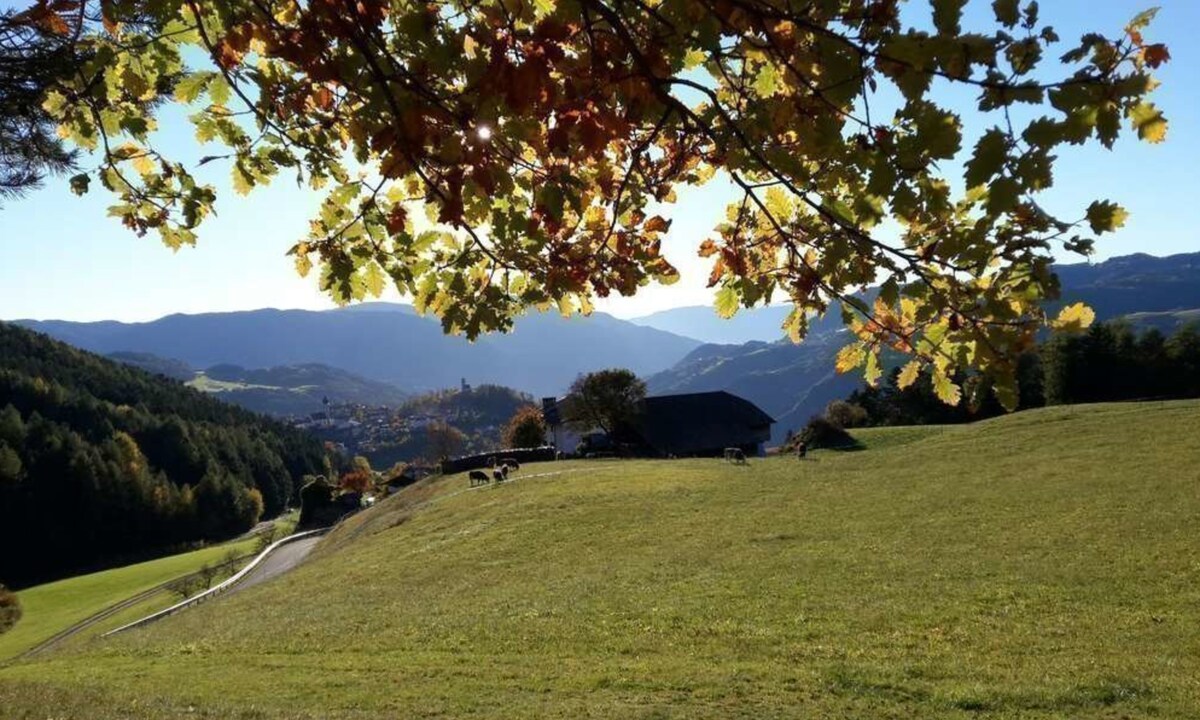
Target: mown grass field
(1044, 565)
(53, 607)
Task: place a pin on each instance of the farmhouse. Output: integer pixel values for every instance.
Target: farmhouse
(688, 425)
(702, 425)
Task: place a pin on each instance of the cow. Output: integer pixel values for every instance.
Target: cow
(500, 474)
(511, 463)
(478, 477)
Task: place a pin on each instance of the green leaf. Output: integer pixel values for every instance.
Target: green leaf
(766, 83)
(694, 58)
(373, 279)
(727, 302)
(988, 158)
(1105, 216)
(219, 90)
(80, 183)
(1007, 12)
(1003, 194)
(947, 15)
(190, 86)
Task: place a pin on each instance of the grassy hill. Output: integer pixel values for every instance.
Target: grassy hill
(1041, 565)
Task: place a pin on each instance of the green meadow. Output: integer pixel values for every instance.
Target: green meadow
(51, 608)
(1042, 565)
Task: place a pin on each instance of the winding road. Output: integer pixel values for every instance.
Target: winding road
(277, 563)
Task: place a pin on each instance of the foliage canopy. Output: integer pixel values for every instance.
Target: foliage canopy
(605, 399)
(542, 140)
(525, 429)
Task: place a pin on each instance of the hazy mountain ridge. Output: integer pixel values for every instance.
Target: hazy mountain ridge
(390, 343)
(793, 382)
(1119, 286)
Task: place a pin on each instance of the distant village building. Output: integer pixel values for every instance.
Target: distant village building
(687, 425)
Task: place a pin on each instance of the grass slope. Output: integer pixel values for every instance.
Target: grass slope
(1035, 566)
(53, 607)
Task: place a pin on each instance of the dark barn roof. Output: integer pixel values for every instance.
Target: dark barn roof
(701, 423)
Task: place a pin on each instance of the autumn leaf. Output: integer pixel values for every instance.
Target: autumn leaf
(1074, 318)
(727, 302)
(946, 389)
(850, 357)
(908, 374)
(1149, 122)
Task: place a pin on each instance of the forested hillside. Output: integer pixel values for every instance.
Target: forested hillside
(99, 461)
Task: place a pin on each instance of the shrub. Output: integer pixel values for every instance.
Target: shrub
(526, 428)
(10, 609)
(846, 414)
(820, 432)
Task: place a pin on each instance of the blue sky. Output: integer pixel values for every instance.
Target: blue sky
(62, 257)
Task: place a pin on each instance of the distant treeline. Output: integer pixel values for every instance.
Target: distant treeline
(100, 461)
(1110, 362)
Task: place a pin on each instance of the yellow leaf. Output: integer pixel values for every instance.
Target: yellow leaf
(373, 279)
(850, 357)
(796, 324)
(1149, 122)
(1074, 318)
(873, 371)
(945, 388)
(303, 264)
(908, 374)
(144, 164)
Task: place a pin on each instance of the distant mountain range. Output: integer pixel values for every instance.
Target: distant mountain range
(794, 382)
(384, 350)
(389, 343)
(1119, 286)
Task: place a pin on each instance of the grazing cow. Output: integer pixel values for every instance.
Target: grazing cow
(478, 477)
(735, 456)
(501, 473)
(511, 463)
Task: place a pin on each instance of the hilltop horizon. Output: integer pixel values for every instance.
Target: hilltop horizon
(624, 313)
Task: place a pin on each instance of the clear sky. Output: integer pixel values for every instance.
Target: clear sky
(61, 257)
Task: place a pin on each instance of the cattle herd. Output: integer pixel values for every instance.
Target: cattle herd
(498, 472)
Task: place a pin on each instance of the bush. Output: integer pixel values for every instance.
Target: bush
(846, 414)
(821, 432)
(10, 609)
(526, 429)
